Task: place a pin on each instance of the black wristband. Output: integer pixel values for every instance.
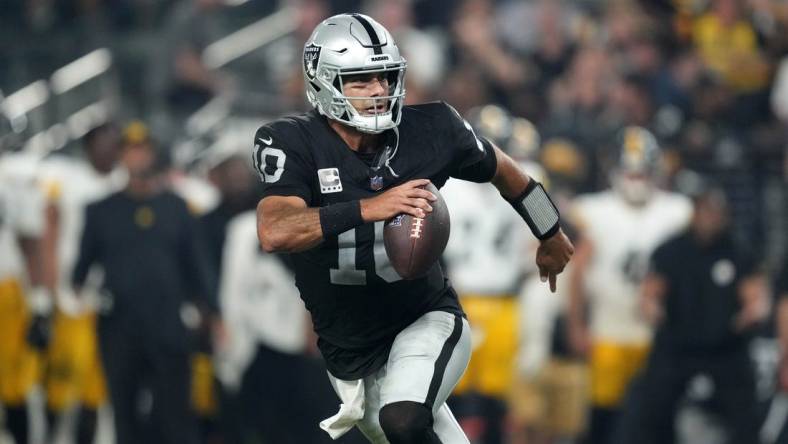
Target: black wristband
(538, 210)
(340, 217)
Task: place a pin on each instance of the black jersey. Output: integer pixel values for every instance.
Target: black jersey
(702, 296)
(157, 238)
(357, 300)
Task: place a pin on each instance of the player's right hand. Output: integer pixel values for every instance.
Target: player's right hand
(552, 256)
(408, 198)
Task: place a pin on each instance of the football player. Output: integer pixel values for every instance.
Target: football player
(25, 303)
(74, 371)
(486, 262)
(705, 295)
(201, 197)
(394, 348)
(619, 229)
(267, 337)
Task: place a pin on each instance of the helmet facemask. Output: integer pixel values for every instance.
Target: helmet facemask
(386, 110)
(636, 188)
(639, 166)
(350, 45)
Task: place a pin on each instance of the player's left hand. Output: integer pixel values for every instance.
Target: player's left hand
(552, 256)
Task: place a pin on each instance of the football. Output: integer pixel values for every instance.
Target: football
(414, 244)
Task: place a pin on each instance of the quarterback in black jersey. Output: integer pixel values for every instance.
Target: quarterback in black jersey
(394, 348)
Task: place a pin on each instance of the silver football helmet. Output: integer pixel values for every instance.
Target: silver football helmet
(347, 45)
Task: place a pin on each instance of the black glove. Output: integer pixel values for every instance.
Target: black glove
(39, 331)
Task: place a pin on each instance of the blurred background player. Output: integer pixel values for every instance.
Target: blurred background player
(142, 334)
(705, 294)
(549, 399)
(229, 172)
(269, 339)
(25, 304)
(619, 228)
(74, 375)
(487, 257)
(212, 198)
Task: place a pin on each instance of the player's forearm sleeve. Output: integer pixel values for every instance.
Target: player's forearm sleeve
(340, 217)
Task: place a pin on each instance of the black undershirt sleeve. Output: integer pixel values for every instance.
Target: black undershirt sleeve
(484, 169)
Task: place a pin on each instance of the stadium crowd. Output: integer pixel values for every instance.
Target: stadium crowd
(191, 333)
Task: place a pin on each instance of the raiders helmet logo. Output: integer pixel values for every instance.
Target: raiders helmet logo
(311, 57)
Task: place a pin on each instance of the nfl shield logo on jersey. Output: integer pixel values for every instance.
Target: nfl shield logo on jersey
(311, 56)
(329, 180)
(376, 183)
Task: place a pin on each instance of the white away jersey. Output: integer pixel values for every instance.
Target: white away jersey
(21, 210)
(623, 238)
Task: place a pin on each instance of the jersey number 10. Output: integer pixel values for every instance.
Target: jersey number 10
(346, 272)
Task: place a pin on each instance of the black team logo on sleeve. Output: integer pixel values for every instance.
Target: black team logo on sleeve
(311, 57)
